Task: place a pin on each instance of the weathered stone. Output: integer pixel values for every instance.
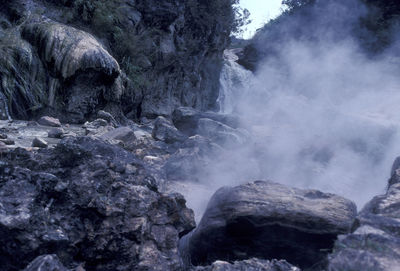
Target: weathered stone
(8, 141)
(249, 265)
(165, 131)
(46, 263)
(270, 221)
(186, 119)
(221, 133)
(375, 243)
(106, 116)
(74, 201)
(3, 136)
(49, 121)
(69, 50)
(39, 143)
(124, 134)
(55, 133)
(188, 162)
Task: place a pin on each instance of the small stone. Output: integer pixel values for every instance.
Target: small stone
(49, 121)
(69, 134)
(106, 116)
(55, 133)
(3, 136)
(40, 143)
(8, 141)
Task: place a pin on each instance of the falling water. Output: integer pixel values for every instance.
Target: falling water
(234, 83)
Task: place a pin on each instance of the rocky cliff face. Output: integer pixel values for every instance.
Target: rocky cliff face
(138, 58)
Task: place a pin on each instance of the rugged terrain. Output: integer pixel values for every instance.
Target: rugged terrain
(108, 109)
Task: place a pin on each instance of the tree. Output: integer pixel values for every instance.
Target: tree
(242, 18)
(295, 4)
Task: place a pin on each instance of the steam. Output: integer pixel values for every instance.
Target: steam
(322, 115)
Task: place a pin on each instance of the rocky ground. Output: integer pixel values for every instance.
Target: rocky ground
(101, 196)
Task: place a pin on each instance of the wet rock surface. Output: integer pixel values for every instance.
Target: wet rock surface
(375, 242)
(271, 221)
(83, 202)
(46, 263)
(165, 131)
(49, 121)
(39, 143)
(187, 119)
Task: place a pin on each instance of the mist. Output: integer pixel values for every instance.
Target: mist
(322, 114)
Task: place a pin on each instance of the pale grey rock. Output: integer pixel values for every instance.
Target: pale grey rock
(49, 121)
(67, 50)
(123, 134)
(8, 141)
(221, 133)
(46, 263)
(39, 143)
(165, 131)
(55, 133)
(186, 119)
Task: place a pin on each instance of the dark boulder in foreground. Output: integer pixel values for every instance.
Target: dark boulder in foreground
(375, 244)
(269, 221)
(249, 265)
(91, 204)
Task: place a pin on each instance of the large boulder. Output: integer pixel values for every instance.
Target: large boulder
(188, 162)
(375, 243)
(269, 221)
(165, 131)
(91, 204)
(121, 134)
(186, 119)
(221, 133)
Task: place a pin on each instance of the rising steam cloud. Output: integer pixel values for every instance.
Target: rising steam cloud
(321, 113)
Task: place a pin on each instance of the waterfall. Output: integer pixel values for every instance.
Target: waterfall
(234, 83)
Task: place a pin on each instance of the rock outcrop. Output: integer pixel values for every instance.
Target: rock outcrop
(375, 242)
(89, 203)
(141, 58)
(269, 221)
